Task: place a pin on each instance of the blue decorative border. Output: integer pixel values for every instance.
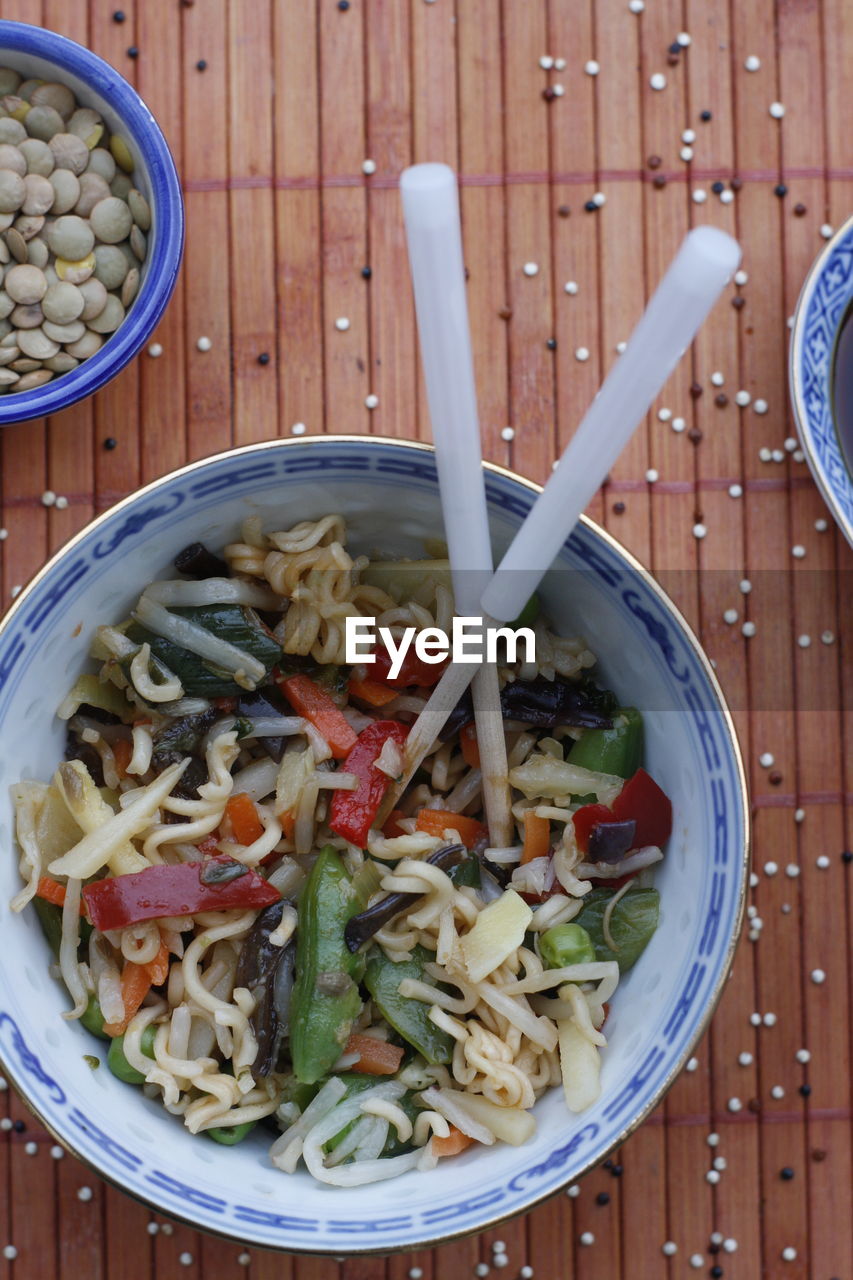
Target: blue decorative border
(167, 240)
(719, 883)
(826, 296)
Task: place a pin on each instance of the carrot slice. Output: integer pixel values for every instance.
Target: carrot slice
(135, 985)
(122, 753)
(470, 746)
(158, 968)
(537, 837)
(243, 816)
(288, 824)
(312, 702)
(375, 1057)
(372, 692)
(455, 1142)
(51, 891)
(436, 821)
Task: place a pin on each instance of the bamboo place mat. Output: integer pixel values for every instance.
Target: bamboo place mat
(272, 107)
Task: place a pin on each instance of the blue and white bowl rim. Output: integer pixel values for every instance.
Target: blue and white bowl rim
(680, 1026)
(824, 299)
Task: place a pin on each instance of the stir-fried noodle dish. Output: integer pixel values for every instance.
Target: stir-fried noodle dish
(267, 930)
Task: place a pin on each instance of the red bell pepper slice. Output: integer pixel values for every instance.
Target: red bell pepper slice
(587, 817)
(178, 890)
(651, 808)
(413, 671)
(352, 812)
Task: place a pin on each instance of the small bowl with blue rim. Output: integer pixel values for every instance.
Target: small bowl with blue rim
(821, 374)
(387, 490)
(40, 54)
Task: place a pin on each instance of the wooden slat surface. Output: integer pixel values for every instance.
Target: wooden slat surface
(270, 139)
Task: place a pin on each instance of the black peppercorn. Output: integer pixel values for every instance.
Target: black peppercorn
(786, 1174)
(717, 187)
(110, 442)
(133, 52)
(367, 272)
(705, 115)
(780, 189)
(590, 206)
(800, 210)
(264, 357)
(551, 344)
(659, 180)
(618, 508)
(201, 65)
(119, 15)
(805, 1090)
(564, 211)
(602, 1198)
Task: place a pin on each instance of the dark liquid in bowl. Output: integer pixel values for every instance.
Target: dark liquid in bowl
(842, 388)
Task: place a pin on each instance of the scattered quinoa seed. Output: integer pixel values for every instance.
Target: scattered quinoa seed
(752, 63)
(582, 354)
(592, 68)
(769, 1019)
(531, 268)
(658, 81)
(587, 1238)
(155, 350)
(371, 401)
(508, 433)
(776, 110)
(85, 1194)
(204, 344)
(699, 530)
(817, 976)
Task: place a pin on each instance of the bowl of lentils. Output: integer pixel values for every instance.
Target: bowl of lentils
(91, 222)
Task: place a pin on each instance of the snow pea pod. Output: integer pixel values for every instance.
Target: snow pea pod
(230, 1135)
(118, 1063)
(325, 999)
(618, 750)
(409, 1017)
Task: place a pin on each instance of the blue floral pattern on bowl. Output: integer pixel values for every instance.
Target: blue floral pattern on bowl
(143, 1150)
(823, 303)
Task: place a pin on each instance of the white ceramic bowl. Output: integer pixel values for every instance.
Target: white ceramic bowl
(388, 492)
